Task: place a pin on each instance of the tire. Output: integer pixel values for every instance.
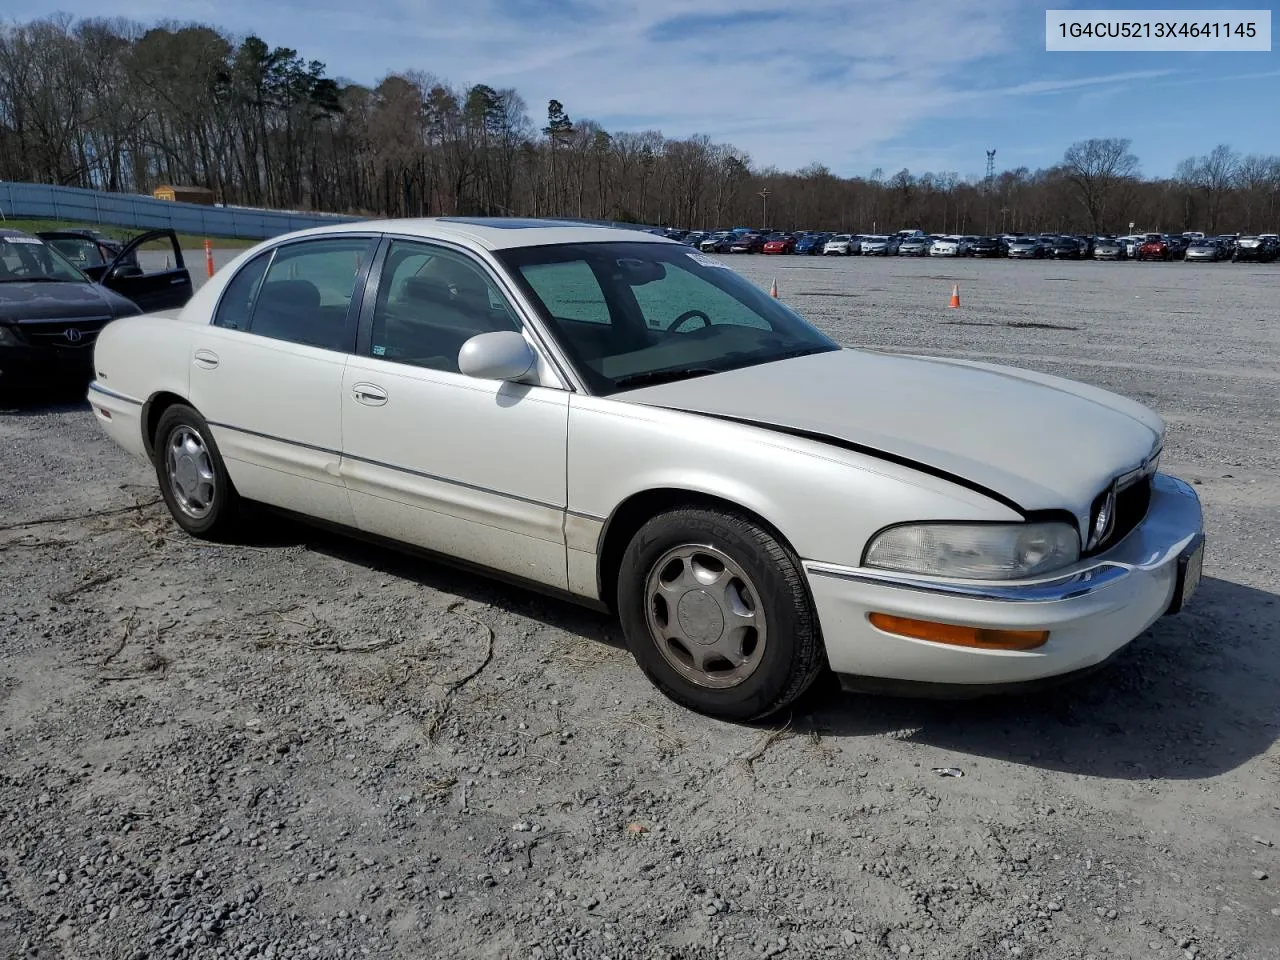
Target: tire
(193, 479)
(759, 579)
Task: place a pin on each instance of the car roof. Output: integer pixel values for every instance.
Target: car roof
(492, 233)
(11, 232)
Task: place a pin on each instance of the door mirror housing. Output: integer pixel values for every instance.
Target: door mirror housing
(501, 355)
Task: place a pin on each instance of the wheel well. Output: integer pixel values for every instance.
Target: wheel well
(152, 411)
(638, 509)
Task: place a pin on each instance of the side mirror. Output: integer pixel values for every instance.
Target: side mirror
(501, 355)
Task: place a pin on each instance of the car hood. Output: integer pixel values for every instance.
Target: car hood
(60, 301)
(1039, 441)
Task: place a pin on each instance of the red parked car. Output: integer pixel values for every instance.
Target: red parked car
(1155, 247)
(780, 243)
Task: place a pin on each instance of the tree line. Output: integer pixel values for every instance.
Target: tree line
(115, 105)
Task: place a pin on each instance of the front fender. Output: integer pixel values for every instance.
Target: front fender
(826, 501)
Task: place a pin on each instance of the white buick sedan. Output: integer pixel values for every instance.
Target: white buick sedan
(616, 418)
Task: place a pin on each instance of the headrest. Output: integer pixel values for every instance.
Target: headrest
(299, 294)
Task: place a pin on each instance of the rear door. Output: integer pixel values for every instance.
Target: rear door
(157, 281)
(267, 372)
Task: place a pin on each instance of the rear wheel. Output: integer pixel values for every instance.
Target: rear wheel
(717, 614)
(193, 479)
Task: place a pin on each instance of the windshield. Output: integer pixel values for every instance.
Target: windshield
(634, 314)
(81, 251)
(28, 259)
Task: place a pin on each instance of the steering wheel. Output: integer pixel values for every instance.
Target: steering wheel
(689, 315)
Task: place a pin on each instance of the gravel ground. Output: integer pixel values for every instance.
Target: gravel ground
(306, 747)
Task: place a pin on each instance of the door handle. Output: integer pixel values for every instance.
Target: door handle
(205, 358)
(369, 393)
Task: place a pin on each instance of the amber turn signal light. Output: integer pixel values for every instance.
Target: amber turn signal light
(957, 636)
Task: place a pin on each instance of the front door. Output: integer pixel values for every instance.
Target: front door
(267, 373)
(468, 468)
(143, 280)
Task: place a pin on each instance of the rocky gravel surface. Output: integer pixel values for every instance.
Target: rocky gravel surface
(300, 746)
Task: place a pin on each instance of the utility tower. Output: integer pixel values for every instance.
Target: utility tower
(987, 183)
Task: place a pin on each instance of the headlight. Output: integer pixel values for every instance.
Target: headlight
(7, 337)
(988, 551)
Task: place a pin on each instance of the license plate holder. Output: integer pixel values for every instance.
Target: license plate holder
(1190, 570)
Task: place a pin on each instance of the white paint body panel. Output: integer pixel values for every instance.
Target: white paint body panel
(275, 411)
(469, 468)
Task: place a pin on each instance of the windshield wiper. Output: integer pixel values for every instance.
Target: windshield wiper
(33, 280)
(661, 376)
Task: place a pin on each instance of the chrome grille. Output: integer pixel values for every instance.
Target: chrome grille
(64, 334)
(1129, 497)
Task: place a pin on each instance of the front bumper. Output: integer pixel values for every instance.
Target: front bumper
(1091, 610)
(34, 365)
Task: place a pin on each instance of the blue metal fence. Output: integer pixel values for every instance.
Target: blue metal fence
(41, 201)
(46, 202)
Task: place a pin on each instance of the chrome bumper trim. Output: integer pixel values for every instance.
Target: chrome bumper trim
(1069, 587)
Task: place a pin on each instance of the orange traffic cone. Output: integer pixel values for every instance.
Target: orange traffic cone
(208, 257)
(955, 296)
(773, 291)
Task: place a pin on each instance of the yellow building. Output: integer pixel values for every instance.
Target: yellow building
(184, 194)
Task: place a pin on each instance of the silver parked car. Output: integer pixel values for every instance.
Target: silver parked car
(917, 246)
(841, 244)
(618, 419)
(875, 246)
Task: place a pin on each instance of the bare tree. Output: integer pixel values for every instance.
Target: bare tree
(1095, 168)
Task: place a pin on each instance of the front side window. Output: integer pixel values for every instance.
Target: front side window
(634, 314)
(306, 295)
(432, 300)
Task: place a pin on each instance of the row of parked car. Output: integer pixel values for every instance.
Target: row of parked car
(1264, 248)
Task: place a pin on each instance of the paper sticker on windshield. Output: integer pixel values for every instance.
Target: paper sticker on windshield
(706, 261)
(33, 241)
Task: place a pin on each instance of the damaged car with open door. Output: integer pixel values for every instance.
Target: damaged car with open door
(52, 308)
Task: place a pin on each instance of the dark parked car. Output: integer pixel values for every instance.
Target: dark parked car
(1066, 248)
(1027, 248)
(811, 244)
(52, 310)
(747, 243)
(1230, 241)
(717, 243)
(1256, 250)
(87, 249)
(988, 247)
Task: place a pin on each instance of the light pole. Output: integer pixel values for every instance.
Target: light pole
(764, 197)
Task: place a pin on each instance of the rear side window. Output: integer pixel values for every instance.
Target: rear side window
(307, 293)
(237, 299)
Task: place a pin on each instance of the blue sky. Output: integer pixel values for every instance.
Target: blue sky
(853, 84)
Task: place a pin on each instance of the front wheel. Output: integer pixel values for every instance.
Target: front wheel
(193, 479)
(717, 614)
